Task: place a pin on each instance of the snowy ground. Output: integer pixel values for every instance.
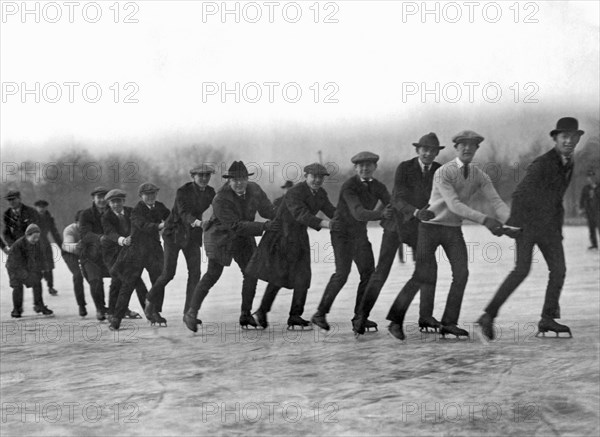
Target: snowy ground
(72, 376)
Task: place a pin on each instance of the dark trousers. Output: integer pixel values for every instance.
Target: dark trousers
(94, 272)
(298, 299)
(17, 296)
(213, 273)
(550, 244)
(49, 277)
(390, 243)
(593, 227)
(72, 262)
(153, 264)
(191, 252)
(348, 248)
(115, 288)
(425, 276)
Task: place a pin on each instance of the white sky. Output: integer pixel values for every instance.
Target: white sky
(369, 54)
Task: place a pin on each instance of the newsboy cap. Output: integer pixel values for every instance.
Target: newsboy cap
(316, 169)
(467, 135)
(567, 124)
(202, 169)
(237, 170)
(429, 140)
(41, 202)
(147, 188)
(32, 229)
(288, 184)
(364, 157)
(99, 190)
(12, 194)
(115, 194)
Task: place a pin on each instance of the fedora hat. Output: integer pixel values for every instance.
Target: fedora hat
(288, 184)
(429, 140)
(567, 124)
(237, 170)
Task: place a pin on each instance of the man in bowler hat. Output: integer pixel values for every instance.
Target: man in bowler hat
(454, 185)
(410, 197)
(229, 235)
(283, 257)
(589, 205)
(47, 226)
(537, 208)
(183, 232)
(356, 207)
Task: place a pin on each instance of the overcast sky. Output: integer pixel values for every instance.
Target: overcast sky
(376, 60)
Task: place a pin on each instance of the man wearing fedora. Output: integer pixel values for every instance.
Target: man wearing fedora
(144, 252)
(410, 197)
(589, 205)
(454, 185)
(285, 187)
(25, 264)
(283, 257)
(537, 208)
(359, 196)
(229, 235)
(47, 226)
(92, 265)
(183, 232)
(17, 217)
(116, 224)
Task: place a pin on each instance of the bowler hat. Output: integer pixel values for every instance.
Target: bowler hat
(99, 190)
(32, 229)
(115, 194)
(147, 188)
(567, 124)
(467, 135)
(237, 170)
(41, 203)
(288, 184)
(202, 169)
(429, 140)
(12, 194)
(316, 169)
(364, 157)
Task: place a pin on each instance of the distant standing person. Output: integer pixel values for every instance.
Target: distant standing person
(47, 225)
(538, 209)
(589, 204)
(285, 187)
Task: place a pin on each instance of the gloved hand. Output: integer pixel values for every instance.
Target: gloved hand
(197, 223)
(493, 225)
(511, 232)
(335, 226)
(424, 214)
(388, 212)
(273, 226)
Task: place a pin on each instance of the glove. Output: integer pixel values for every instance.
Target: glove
(493, 225)
(196, 223)
(273, 226)
(388, 212)
(424, 214)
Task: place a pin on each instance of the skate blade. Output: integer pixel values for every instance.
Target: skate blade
(427, 331)
(371, 330)
(249, 327)
(299, 328)
(396, 338)
(570, 335)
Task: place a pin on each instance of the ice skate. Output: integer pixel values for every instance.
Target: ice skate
(82, 311)
(132, 315)
(247, 320)
(320, 320)
(16, 313)
(358, 325)
(152, 315)
(52, 291)
(261, 318)
(453, 330)
(486, 322)
(429, 322)
(101, 314)
(550, 325)
(191, 320)
(43, 309)
(369, 324)
(397, 331)
(294, 321)
(115, 324)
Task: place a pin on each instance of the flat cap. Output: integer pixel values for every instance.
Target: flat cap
(115, 194)
(467, 135)
(40, 202)
(12, 194)
(99, 190)
(202, 169)
(316, 169)
(429, 140)
(32, 229)
(147, 187)
(364, 157)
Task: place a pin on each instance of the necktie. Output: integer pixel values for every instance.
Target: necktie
(426, 173)
(466, 171)
(568, 167)
(123, 224)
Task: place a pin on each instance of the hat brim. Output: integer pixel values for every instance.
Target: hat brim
(557, 131)
(99, 192)
(428, 145)
(233, 176)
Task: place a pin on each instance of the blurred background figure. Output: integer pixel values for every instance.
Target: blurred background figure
(589, 205)
(285, 187)
(47, 225)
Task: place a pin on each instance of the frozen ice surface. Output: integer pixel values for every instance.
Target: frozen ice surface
(72, 376)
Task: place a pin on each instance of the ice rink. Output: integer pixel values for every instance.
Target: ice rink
(68, 375)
